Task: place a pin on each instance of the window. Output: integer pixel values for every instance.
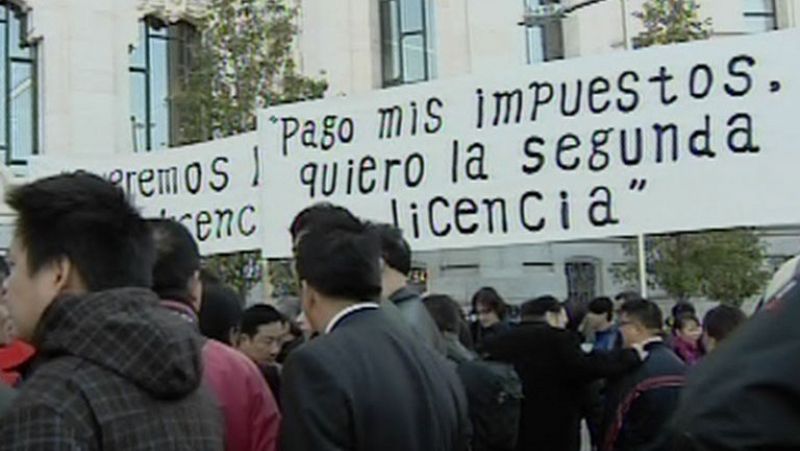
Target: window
(759, 16)
(18, 106)
(582, 279)
(407, 54)
(546, 42)
(159, 66)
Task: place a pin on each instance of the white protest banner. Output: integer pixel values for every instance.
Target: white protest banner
(685, 137)
(211, 188)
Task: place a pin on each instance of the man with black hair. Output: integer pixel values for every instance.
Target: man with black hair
(396, 255)
(251, 415)
(639, 405)
(555, 373)
(600, 326)
(114, 370)
(364, 384)
(220, 309)
(263, 332)
(326, 216)
(719, 323)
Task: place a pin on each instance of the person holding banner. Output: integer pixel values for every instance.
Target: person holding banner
(365, 383)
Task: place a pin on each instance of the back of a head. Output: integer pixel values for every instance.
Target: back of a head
(539, 307)
(89, 221)
(395, 250)
(602, 306)
(259, 315)
(220, 312)
(683, 308)
(177, 259)
(341, 263)
(445, 312)
(625, 296)
(645, 312)
(489, 297)
(322, 215)
(722, 320)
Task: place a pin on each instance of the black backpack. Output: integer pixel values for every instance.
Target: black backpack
(494, 392)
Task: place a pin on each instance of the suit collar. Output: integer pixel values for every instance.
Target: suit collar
(344, 313)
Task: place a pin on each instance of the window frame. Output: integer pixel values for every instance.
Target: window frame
(772, 14)
(152, 26)
(10, 12)
(388, 44)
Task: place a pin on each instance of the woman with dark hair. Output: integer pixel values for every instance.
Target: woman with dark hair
(490, 312)
(686, 334)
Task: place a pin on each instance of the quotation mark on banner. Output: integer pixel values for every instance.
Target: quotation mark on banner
(774, 86)
(638, 185)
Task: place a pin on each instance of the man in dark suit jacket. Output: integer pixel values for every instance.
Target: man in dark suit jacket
(554, 373)
(641, 404)
(365, 383)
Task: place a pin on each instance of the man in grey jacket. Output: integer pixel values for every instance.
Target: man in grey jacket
(396, 254)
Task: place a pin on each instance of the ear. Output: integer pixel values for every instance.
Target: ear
(196, 291)
(65, 277)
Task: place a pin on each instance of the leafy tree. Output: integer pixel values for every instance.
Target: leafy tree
(671, 21)
(242, 61)
(724, 265)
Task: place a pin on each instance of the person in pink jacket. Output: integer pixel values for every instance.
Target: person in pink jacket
(252, 419)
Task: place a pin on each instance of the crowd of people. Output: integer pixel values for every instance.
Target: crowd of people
(114, 337)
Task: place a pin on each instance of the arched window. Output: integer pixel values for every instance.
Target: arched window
(159, 65)
(407, 36)
(18, 106)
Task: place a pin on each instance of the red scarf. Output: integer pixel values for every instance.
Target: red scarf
(12, 357)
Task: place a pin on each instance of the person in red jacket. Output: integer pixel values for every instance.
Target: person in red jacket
(252, 419)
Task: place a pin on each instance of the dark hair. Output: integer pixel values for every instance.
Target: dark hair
(682, 320)
(445, 312)
(602, 306)
(259, 315)
(722, 320)
(84, 218)
(682, 308)
(220, 312)
(644, 311)
(489, 297)
(177, 259)
(538, 307)
(341, 262)
(629, 295)
(323, 215)
(395, 250)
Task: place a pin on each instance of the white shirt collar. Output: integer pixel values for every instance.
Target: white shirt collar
(346, 312)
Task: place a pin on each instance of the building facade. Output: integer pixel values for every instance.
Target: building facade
(95, 77)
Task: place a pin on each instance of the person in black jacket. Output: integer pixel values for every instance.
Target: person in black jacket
(396, 255)
(365, 383)
(640, 405)
(744, 395)
(554, 373)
